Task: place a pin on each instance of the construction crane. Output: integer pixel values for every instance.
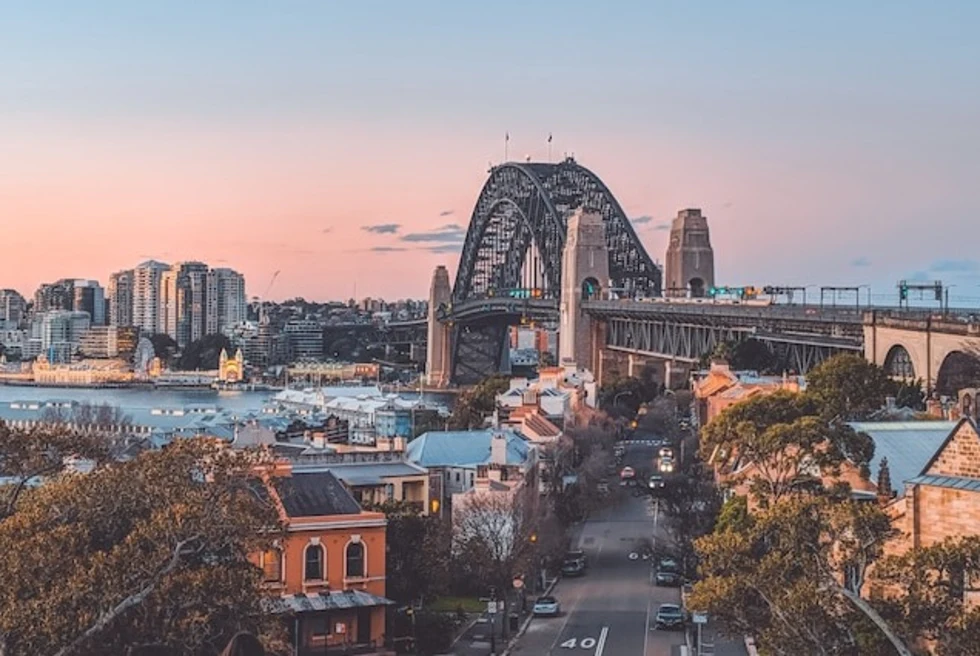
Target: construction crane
(261, 300)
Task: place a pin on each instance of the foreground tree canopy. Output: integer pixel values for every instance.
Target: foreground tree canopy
(151, 550)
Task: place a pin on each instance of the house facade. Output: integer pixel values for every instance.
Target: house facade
(329, 569)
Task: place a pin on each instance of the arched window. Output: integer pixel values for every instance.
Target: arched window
(313, 563)
(272, 566)
(355, 560)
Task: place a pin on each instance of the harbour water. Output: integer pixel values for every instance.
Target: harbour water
(132, 399)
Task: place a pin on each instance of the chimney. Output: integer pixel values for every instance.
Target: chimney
(498, 449)
(319, 440)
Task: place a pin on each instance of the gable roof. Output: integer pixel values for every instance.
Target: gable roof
(908, 445)
(464, 448)
(947, 441)
(314, 494)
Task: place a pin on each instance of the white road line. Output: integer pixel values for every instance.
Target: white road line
(602, 641)
(646, 632)
(568, 615)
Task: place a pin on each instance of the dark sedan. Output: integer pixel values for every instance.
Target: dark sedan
(670, 616)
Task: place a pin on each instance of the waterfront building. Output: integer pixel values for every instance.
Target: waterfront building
(146, 295)
(89, 296)
(400, 418)
(330, 568)
(225, 300)
(192, 282)
(326, 372)
(231, 370)
(12, 308)
(121, 298)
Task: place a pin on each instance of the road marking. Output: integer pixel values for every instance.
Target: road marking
(646, 633)
(602, 641)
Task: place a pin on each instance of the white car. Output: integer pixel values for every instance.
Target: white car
(547, 606)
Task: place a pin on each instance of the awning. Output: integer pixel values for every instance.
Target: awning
(324, 601)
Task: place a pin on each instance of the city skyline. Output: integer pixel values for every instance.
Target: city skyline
(346, 150)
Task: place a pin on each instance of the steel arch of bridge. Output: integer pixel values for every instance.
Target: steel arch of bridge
(525, 205)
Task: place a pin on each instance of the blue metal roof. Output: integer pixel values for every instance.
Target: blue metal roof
(908, 445)
(464, 448)
(952, 482)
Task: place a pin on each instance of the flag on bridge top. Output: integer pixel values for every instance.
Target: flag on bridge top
(507, 136)
(549, 137)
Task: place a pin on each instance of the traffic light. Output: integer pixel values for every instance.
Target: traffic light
(903, 291)
(939, 291)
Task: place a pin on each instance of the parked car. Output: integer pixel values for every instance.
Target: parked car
(547, 607)
(669, 617)
(668, 573)
(574, 564)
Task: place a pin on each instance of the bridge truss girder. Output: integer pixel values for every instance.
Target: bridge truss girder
(480, 349)
(669, 340)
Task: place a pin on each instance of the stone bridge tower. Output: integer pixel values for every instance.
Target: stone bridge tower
(690, 267)
(438, 360)
(584, 275)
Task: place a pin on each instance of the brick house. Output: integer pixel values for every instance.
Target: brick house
(721, 387)
(329, 570)
(944, 499)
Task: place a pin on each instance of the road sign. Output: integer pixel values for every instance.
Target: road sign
(492, 607)
(518, 583)
(699, 618)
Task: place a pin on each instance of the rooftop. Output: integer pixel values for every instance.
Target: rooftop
(464, 448)
(908, 445)
(367, 473)
(314, 494)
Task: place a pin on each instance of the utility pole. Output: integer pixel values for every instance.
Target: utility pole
(492, 607)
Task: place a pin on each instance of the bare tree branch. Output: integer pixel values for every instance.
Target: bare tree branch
(131, 601)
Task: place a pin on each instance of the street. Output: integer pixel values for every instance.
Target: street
(612, 609)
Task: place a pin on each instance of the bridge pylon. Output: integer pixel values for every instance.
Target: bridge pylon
(584, 276)
(438, 364)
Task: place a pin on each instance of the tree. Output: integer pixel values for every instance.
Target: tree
(848, 387)
(87, 414)
(744, 355)
(154, 550)
(792, 577)
(164, 347)
(37, 454)
(923, 594)
(757, 414)
(203, 354)
(476, 404)
(910, 394)
(418, 553)
(493, 539)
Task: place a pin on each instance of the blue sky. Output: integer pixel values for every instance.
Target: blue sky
(828, 143)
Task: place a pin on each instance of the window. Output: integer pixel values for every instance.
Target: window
(457, 477)
(389, 491)
(272, 566)
(313, 563)
(355, 560)
(319, 627)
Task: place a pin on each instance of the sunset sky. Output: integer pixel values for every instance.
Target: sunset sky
(345, 142)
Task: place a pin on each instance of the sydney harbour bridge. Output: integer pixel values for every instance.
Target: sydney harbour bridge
(511, 268)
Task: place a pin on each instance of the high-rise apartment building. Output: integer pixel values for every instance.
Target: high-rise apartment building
(12, 307)
(89, 296)
(146, 295)
(61, 333)
(167, 309)
(121, 298)
(58, 295)
(226, 302)
(192, 290)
